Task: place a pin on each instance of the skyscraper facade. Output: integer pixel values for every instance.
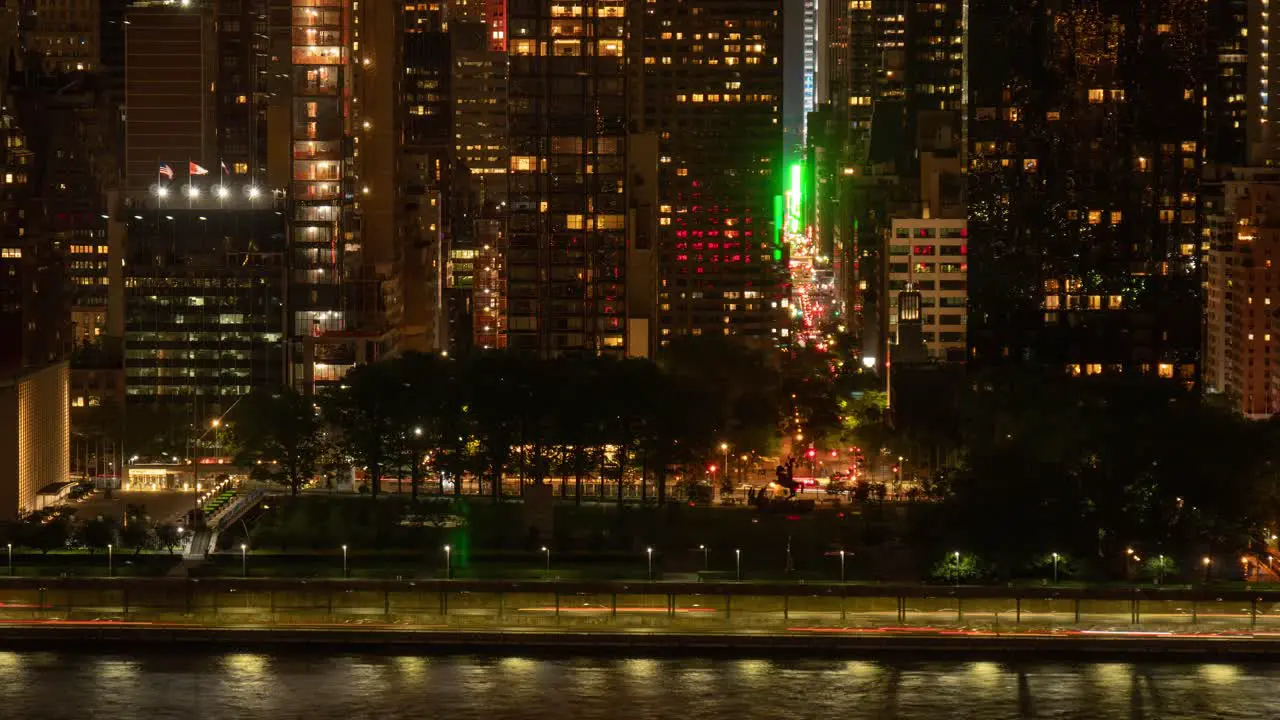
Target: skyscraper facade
(1242, 330)
(170, 68)
(1084, 179)
(713, 86)
(567, 208)
(66, 35)
(204, 297)
(811, 55)
(324, 132)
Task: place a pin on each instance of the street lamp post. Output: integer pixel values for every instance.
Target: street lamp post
(111, 561)
(956, 555)
(10, 559)
(1206, 561)
(547, 551)
(416, 468)
(448, 562)
(345, 574)
(214, 424)
(724, 448)
(841, 566)
(1159, 569)
(737, 554)
(1055, 568)
(704, 550)
(649, 552)
(244, 560)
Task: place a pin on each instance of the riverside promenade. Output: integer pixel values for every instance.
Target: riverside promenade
(704, 616)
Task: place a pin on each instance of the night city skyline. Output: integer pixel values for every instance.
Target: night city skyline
(840, 319)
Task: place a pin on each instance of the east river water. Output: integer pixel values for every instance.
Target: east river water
(204, 684)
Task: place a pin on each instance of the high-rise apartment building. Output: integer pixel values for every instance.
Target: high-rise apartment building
(479, 89)
(325, 130)
(717, 113)
(34, 308)
(68, 125)
(66, 34)
(1242, 295)
(1084, 181)
(246, 59)
(1227, 85)
(1241, 211)
(1262, 111)
(568, 216)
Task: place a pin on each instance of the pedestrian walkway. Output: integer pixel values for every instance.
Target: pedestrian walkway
(194, 552)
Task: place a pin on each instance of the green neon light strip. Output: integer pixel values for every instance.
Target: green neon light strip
(778, 215)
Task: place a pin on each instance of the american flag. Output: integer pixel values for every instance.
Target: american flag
(166, 171)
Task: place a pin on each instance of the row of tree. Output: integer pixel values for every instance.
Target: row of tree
(58, 530)
(430, 418)
(1098, 469)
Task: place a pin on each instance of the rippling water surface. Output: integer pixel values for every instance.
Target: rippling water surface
(196, 685)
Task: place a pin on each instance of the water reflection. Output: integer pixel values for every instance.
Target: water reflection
(323, 687)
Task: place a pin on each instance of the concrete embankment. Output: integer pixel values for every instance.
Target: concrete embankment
(123, 637)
